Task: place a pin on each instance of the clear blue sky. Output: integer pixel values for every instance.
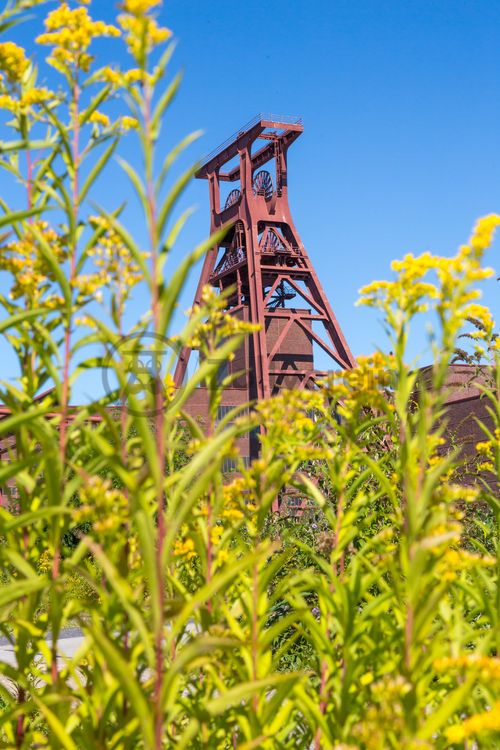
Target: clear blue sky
(401, 108)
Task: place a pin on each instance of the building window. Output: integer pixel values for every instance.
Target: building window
(222, 412)
(228, 465)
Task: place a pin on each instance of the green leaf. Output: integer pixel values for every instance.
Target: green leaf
(165, 99)
(173, 196)
(13, 321)
(16, 591)
(54, 264)
(124, 594)
(9, 146)
(173, 155)
(127, 680)
(173, 289)
(96, 101)
(451, 704)
(56, 726)
(247, 690)
(28, 519)
(136, 182)
(97, 168)
(16, 216)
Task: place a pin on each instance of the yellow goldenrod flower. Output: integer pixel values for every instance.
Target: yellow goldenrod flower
(36, 96)
(142, 32)
(133, 75)
(110, 75)
(13, 61)
(99, 118)
(9, 103)
(117, 269)
(104, 506)
(488, 667)
(184, 549)
(70, 32)
(216, 534)
(169, 386)
(128, 123)
(140, 7)
(484, 230)
(32, 274)
(488, 721)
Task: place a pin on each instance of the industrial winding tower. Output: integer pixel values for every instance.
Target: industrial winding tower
(264, 263)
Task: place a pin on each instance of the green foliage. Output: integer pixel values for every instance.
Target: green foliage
(206, 620)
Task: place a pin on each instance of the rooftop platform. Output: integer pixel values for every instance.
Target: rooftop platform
(264, 125)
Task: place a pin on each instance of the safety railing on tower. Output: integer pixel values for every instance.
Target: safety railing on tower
(282, 119)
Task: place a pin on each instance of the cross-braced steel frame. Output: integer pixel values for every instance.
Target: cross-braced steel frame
(261, 258)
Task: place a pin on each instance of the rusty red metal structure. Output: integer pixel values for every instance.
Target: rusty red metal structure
(262, 262)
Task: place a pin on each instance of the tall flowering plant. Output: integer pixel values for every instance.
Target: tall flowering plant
(205, 620)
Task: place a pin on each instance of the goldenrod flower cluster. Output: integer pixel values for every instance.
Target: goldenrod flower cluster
(117, 269)
(367, 384)
(123, 124)
(216, 534)
(17, 92)
(453, 297)
(32, 274)
(27, 99)
(449, 492)
(483, 233)
(70, 32)
(45, 562)
(384, 717)
(486, 667)
(169, 386)
(293, 422)
(134, 556)
(140, 7)
(488, 721)
(124, 79)
(99, 118)
(487, 450)
(184, 547)
(235, 498)
(89, 286)
(128, 123)
(142, 32)
(13, 61)
(104, 506)
(454, 561)
(220, 325)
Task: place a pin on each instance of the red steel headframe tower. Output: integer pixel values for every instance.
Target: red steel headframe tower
(265, 263)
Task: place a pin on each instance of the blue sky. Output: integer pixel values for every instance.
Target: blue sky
(401, 108)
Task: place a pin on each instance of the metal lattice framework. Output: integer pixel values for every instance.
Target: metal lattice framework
(263, 259)
(263, 184)
(233, 197)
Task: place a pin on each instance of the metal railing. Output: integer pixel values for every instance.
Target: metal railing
(282, 119)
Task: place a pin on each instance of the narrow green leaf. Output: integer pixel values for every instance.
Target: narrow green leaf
(16, 216)
(96, 101)
(27, 519)
(247, 690)
(165, 99)
(174, 154)
(136, 182)
(56, 726)
(122, 671)
(14, 591)
(97, 169)
(173, 196)
(54, 263)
